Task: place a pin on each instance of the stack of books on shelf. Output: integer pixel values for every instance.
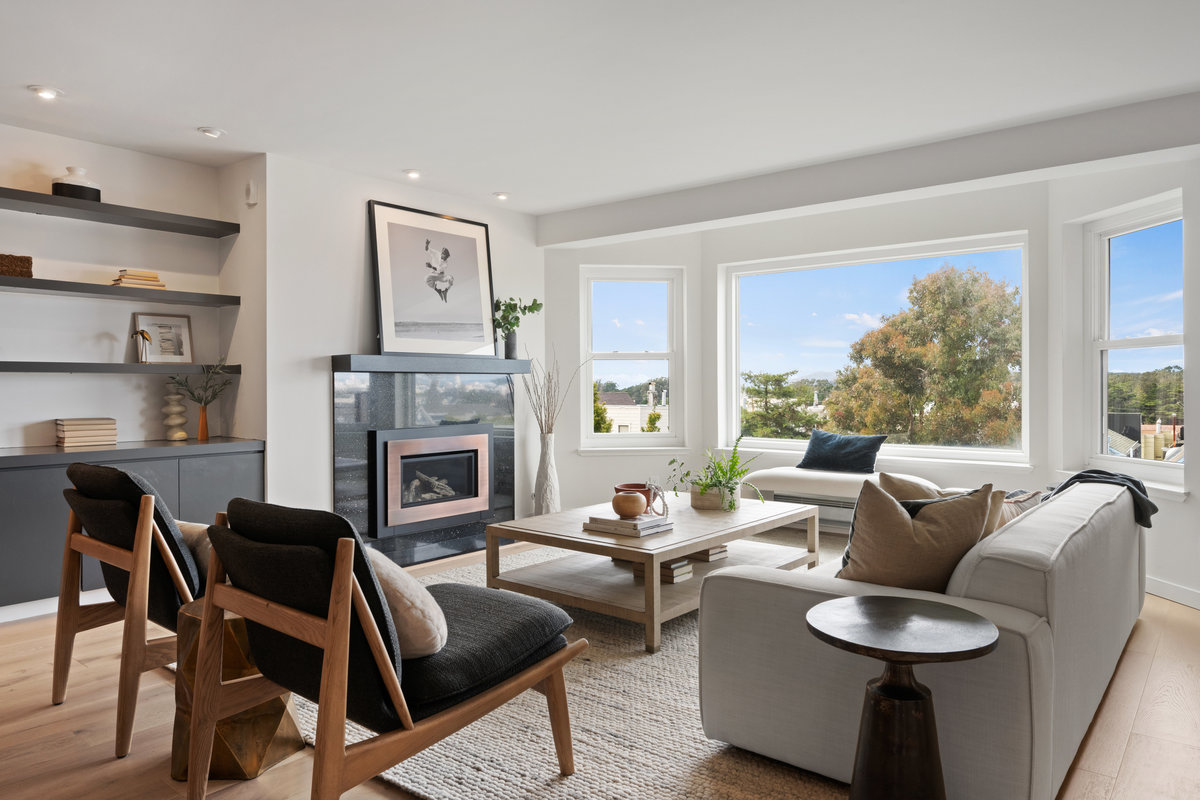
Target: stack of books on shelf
(643, 525)
(86, 431)
(138, 277)
(711, 554)
(669, 572)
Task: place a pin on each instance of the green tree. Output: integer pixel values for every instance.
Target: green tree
(600, 421)
(651, 425)
(773, 408)
(640, 391)
(946, 370)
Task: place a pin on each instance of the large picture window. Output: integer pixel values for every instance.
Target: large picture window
(633, 352)
(922, 343)
(1138, 357)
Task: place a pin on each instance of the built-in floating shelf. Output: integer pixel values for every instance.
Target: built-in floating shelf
(431, 362)
(108, 292)
(51, 455)
(85, 366)
(73, 208)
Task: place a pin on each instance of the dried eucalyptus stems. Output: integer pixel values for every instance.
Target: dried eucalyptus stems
(546, 392)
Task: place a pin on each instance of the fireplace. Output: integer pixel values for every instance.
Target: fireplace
(426, 478)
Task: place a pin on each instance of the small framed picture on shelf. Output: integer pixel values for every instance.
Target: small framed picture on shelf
(163, 338)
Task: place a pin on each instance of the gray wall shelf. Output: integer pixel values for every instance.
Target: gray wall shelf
(92, 367)
(102, 291)
(73, 208)
(423, 362)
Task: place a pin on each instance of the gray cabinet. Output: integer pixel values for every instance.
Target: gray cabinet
(195, 480)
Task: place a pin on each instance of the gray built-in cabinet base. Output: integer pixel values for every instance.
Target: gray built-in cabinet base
(195, 479)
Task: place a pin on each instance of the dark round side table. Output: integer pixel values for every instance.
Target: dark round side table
(897, 754)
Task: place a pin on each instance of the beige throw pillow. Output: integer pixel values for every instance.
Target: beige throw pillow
(913, 547)
(1017, 505)
(420, 623)
(195, 536)
(903, 489)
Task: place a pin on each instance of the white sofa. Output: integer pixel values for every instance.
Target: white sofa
(1064, 583)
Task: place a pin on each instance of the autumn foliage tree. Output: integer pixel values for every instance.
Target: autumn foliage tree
(944, 371)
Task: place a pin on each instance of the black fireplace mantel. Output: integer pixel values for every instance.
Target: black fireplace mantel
(430, 363)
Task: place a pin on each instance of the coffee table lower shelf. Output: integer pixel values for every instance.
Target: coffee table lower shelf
(597, 583)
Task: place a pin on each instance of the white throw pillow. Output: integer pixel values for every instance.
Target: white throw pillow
(420, 623)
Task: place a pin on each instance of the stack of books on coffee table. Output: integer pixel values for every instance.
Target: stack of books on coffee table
(670, 572)
(76, 432)
(642, 525)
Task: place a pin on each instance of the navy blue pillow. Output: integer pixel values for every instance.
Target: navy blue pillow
(840, 452)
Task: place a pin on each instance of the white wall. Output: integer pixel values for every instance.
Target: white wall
(53, 328)
(588, 476)
(320, 301)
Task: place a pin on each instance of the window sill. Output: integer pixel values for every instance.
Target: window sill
(1156, 489)
(633, 451)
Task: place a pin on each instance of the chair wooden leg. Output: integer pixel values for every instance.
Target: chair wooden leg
(206, 693)
(560, 721)
(133, 637)
(67, 622)
(329, 758)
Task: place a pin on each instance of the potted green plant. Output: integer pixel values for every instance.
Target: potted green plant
(716, 485)
(205, 392)
(506, 318)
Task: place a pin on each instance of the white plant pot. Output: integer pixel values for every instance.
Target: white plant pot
(714, 500)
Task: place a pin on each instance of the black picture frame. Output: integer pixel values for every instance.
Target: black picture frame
(433, 281)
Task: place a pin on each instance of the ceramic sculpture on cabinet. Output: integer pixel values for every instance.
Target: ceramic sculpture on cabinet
(76, 184)
(175, 419)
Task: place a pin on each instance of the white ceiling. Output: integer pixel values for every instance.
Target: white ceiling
(571, 103)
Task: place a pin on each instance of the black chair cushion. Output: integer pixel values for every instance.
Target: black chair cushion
(287, 555)
(106, 501)
(492, 635)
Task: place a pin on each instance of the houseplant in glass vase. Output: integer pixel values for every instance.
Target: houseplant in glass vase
(506, 318)
(211, 384)
(547, 395)
(716, 485)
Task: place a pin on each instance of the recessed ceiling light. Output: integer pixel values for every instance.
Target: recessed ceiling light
(501, 195)
(215, 133)
(413, 174)
(46, 92)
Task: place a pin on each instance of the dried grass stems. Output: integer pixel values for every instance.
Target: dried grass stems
(546, 392)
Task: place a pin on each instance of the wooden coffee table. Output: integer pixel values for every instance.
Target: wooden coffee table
(592, 580)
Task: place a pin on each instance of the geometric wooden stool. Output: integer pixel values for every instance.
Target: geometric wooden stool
(898, 753)
(246, 743)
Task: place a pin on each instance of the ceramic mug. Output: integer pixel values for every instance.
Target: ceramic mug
(648, 491)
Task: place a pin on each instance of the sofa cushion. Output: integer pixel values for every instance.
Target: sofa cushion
(419, 620)
(901, 488)
(913, 544)
(841, 452)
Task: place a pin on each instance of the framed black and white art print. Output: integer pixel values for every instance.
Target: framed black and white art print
(433, 277)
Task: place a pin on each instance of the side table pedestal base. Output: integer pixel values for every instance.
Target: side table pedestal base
(897, 754)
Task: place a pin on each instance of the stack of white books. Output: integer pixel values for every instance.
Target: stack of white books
(76, 432)
(642, 525)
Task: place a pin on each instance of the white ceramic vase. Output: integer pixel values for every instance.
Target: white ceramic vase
(545, 484)
(174, 419)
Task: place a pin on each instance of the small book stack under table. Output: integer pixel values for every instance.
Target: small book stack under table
(670, 572)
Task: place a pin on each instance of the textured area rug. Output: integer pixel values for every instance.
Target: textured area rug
(635, 722)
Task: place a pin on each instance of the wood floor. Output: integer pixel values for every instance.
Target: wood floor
(1144, 743)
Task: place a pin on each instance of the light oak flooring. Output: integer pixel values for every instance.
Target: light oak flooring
(1144, 742)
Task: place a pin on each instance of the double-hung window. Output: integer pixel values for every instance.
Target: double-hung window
(632, 335)
(1137, 358)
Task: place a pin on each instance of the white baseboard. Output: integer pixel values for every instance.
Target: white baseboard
(1173, 592)
(39, 608)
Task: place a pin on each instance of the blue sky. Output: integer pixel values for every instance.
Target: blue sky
(1146, 282)
(806, 320)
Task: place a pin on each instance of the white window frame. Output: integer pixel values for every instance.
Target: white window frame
(1007, 240)
(675, 437)
(1096, 235)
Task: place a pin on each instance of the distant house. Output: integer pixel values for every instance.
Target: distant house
(628, 416)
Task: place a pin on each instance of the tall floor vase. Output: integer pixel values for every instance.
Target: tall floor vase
(545, 485)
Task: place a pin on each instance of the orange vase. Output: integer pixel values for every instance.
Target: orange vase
(202, 433)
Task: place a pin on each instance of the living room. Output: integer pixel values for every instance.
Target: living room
(303, 263)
